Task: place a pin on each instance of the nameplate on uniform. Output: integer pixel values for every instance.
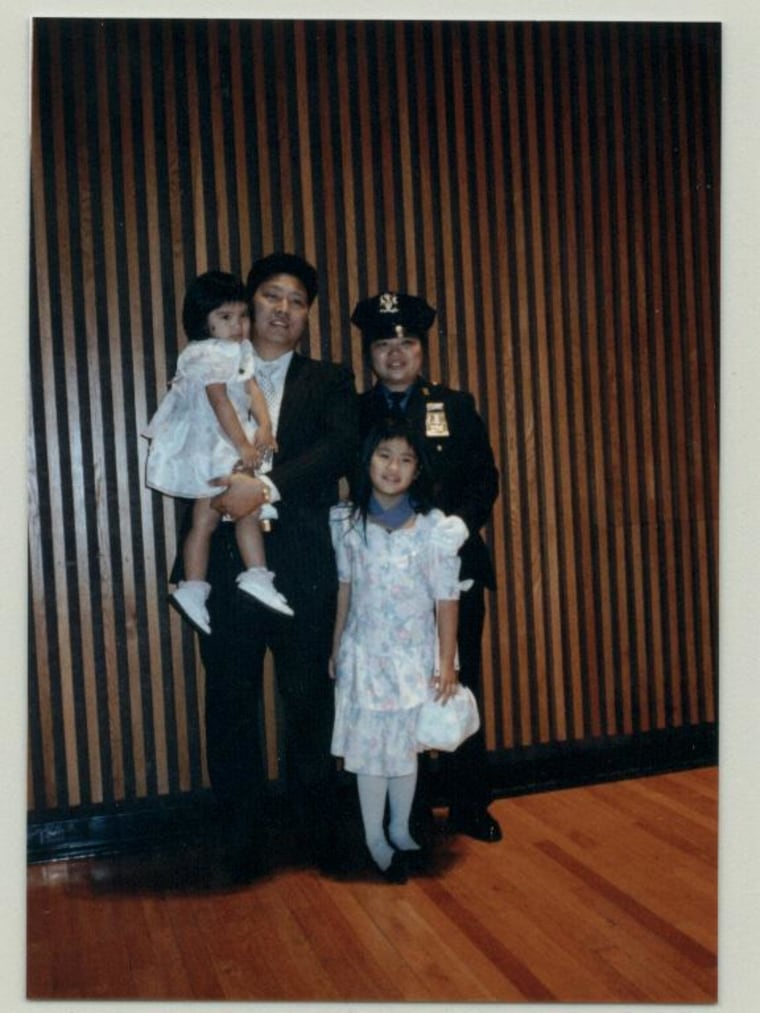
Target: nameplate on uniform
(435, 419)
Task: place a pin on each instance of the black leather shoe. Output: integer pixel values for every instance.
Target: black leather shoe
(476, 823)
(417, 860)
(396, 871)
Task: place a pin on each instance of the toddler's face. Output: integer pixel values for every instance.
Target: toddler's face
(393, 467)
(231, 321)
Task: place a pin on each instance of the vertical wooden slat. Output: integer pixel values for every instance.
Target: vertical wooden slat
(636, 414)
(566, 645)
(481, 354)
(65, 605)
(544, 191)
(578, 550)
(425, 230)
(448, 367)
(328, 200)
(42, 405)
(600, 575)
(551, 188)
(304, 167)
(511, 641)
(240, 141)
(667, 506)
(217, 139)
(692, 463)
(703, 379)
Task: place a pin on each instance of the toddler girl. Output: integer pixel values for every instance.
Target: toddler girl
(213, 418)
(398, 567)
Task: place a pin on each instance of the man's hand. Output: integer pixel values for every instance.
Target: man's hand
(243, 495)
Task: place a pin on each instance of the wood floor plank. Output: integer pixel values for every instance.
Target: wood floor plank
(605, 893)
(232, 929)
(372, 934)
(202, 979)
(407, 922)
(529, 903)
(353, 971)
(689, 962)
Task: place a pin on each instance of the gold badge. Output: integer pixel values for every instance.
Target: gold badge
(435, 420)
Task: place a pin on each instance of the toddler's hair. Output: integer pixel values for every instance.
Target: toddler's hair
(205, 294)
(421, 489)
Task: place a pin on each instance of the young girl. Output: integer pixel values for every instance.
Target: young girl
(397, 567)
(203, 428)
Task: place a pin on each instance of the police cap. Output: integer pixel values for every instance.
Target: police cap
(392, 315)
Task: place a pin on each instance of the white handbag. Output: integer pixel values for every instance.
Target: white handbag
(445, 726)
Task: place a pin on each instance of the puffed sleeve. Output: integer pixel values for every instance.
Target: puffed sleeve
(340, 526)
(447, 535)
(212, 361)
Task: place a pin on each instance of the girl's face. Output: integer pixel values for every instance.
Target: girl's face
(231, 322)
(392, 469)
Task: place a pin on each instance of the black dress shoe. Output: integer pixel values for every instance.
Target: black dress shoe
(476, 823)
(417, 860)
(396, 871)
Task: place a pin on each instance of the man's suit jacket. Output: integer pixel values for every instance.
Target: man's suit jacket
(317, 438)
(466, 481)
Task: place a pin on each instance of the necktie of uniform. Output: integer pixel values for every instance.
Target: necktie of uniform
(396, 400)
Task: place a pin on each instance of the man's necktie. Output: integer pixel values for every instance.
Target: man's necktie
(265, 382)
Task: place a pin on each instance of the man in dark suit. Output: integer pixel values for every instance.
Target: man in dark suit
(394, 330)
(313, 408)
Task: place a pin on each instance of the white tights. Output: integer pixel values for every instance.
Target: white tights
(373, 791)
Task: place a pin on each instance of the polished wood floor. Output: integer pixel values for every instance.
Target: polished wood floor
(605, 893)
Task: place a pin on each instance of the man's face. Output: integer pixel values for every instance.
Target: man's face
(280, 313)
(397, 362)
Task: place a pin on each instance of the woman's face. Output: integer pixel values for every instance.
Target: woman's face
(231, 321)
(392, 469)
(397, 362)
(280, 315)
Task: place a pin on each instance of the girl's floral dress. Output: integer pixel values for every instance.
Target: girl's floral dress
(387, 653)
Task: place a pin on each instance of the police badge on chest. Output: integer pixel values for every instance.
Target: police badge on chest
(436, 423)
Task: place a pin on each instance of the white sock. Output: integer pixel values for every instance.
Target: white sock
(401, 795)
(372, 794)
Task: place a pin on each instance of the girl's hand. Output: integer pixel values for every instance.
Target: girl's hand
(264, 439)
(250, 455)
(445, 683)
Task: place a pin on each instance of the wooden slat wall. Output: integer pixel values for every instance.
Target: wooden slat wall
(553, 188)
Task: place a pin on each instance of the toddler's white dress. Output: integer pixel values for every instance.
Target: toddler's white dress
(188, 445)
(387, 653)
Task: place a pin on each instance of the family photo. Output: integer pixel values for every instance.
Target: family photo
(373, 508)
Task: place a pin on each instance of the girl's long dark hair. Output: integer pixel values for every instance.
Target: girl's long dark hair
(421, 489)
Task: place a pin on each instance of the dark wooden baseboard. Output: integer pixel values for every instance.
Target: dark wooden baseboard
(134, 825)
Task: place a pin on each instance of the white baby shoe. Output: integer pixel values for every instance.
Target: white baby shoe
(259, 583)
(190, 599)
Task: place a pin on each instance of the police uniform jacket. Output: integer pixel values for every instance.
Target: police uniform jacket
(465, 477)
